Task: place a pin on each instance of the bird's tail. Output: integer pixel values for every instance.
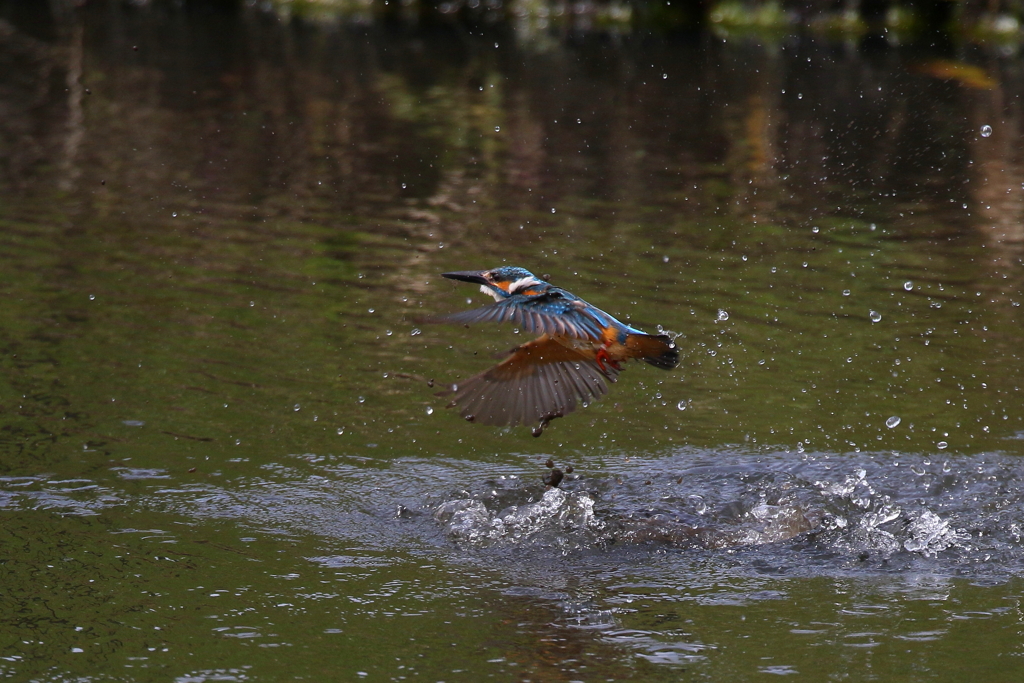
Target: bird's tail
(657, 349)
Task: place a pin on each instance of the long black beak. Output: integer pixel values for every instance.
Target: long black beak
(474, 276)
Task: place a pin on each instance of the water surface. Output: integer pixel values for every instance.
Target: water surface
(221, 453)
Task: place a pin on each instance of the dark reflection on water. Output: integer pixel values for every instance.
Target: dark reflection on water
(216, 251)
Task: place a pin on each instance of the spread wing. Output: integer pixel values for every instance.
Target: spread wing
(549, 313)
(539, 381)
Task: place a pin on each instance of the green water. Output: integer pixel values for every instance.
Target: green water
(220, 449)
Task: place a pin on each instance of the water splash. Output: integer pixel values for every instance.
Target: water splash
(872, 514)
(558, 518)
(930, 534)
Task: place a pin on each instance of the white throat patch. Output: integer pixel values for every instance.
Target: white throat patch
(523, 283)
(487, 290)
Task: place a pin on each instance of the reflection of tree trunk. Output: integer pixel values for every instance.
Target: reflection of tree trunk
(625, 180)
(997, 188)
(76, 117)
(997, 183)
(25, 73)
(762, 129)
(526, 153)
(753, 157)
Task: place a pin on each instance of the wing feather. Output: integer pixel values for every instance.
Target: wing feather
(566, 389)
(556, 389)
(579, 386)
(554, 312)
(531, 395)
(539, 380)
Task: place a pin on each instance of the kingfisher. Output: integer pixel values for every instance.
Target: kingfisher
(579, 348)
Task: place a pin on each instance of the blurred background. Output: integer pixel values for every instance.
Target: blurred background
(222, 455)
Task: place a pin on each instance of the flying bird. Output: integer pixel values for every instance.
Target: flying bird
(579, 348)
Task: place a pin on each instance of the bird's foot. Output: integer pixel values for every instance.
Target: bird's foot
(602, 357)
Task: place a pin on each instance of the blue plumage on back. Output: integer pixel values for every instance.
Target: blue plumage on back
(538, 306)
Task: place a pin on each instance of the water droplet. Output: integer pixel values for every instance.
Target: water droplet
(892, 421)
(415, 331)
(664, 259)
(875, 316)
(251, 304)
(341, 430)
(908, 285)
(846, 292)
(430, 411)
(664, 76)
(723, 315)
(552, 209)
(403, 186)
(297, 407)
(815, 229)
(682, 405)
(362, 399)
(174, 214)
(761, 362)
(497, 129)
(92, 297)
(986, 131)
(369, 310)
(941, 445)
(388, 333)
